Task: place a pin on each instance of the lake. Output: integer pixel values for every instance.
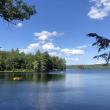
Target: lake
(68, 90)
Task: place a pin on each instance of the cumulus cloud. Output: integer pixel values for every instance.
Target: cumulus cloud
(50, 46)
(19, 25)
(100, 9)
(45, 43)
(31, 48)
(45, 35)
(55, 53)
(73, 51)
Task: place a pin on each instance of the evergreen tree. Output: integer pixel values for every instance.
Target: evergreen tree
(41, 62)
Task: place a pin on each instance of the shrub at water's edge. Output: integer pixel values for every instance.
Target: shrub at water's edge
(16, 61)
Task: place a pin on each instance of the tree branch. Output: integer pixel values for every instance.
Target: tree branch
(102, 43)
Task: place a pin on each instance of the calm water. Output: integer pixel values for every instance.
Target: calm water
(70, 90)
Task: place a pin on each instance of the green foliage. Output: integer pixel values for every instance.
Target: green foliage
(58, 63)
(102, 43)
(15, 61)
(15, 10)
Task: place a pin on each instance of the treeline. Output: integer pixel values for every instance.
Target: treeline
(15, 61)
(95, 66)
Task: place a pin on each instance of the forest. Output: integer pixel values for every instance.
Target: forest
(40, 61)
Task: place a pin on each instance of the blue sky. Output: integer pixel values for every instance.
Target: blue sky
(60, 27)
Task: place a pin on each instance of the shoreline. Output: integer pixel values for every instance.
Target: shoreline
(51, 71)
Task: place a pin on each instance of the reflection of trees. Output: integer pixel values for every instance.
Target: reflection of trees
(39, 77)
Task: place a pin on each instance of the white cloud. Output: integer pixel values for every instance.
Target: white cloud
(73, 51)
(55, 53)
(100, 9)
(19, 25)
(45, 35)
(84, 46)
(49, 46)
(33, 46)
(44, 43)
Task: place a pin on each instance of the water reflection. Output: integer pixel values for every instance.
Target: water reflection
(78, 90)
(35, 77)
(74, 80)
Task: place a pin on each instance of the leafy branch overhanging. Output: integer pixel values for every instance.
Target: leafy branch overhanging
(102, 43)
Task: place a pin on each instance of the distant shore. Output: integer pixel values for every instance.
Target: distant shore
(94, 66)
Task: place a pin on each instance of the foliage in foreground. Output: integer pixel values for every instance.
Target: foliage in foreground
(102, 43)
(15, 10)
(16, 61)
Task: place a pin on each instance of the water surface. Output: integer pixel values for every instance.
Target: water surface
(70, 90)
